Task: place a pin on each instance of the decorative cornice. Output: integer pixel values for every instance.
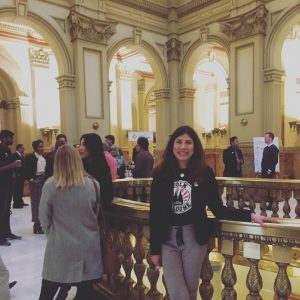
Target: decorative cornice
(145, 6)
(193, 6)
(173, 49)
(89, 29)
(39, 57)
(273, 75)
(250, 23)
(66, 81)
(162, 94)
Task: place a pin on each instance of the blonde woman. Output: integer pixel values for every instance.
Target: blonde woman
(68, 213)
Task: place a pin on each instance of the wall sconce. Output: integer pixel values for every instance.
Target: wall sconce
(219, 131)
(206, 135)
(47, 133)
(295, 125)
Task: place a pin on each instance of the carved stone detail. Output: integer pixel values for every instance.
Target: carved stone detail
(137, 36)
(141, 86)
(66, 81)
(228, 279)
(254, 281)
(250, 23)
(187, 93)
(88, 29)
(282, 284)
(203, 33)
(173, 49)
(162, 94)
(22, 8)
(39, 57)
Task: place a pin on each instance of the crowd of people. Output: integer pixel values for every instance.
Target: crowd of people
(79, 180)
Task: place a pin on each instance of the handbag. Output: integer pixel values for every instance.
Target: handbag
(111, 261)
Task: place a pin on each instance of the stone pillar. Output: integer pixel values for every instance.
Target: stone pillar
(141, 100)
(186, 107)
(68, 111)
(173, 54)
(246, 34)
(273, 101)
(162, 123)
(89, 35)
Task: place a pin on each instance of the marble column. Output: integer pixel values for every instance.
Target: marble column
(186, 107)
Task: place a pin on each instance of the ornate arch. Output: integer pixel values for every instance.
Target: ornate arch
(279, 31)
(186, 65)
(159, 70)
(48, 30)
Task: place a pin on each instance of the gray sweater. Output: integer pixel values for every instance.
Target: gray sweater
(69, 219)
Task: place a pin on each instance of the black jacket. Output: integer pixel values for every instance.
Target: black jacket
(30, 166)
(19, 172)
(229, 160)
(269, 161)
(203, 195)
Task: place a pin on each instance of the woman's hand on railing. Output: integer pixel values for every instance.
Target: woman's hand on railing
(262, 219)
(156, 260)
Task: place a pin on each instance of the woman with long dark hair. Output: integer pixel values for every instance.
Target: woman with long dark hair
(183, 186)
(95, 164)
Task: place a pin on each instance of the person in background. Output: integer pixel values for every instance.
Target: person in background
(4, 281)
(270, 157)
(95, 164)
(68, 213)
(7, 166)
(233, 159)
(183, 186)
(61, 140)
(35, 165)
(144, 160)
(19, 178)
(111, 162)
(119, 161)
(110, 141)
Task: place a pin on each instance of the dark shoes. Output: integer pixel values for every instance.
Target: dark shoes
(12, 284)
(12, 236)
(4, 242)
(37, 229)
(25, 204)
(20, 205)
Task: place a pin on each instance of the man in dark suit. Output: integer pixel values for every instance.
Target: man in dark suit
(269, 162)
(19, 178)
(233, 159)
(270, 157)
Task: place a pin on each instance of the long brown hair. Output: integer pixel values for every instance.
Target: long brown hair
(168, 166)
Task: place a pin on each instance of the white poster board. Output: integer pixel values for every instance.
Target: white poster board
(134, 135)
(259, 145)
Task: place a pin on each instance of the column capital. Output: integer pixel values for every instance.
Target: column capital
(12, 103)
(39, 57)
(273, 75)
(66, 81)
(187, 93)
(89, 29)
(141, 86)
(251, 23)
(109, 83)
(173, 49)
(162, 94)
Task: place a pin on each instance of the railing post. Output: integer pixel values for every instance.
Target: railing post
(206, 289)
(282, 284)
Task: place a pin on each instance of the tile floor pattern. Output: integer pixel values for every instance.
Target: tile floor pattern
(24, 258)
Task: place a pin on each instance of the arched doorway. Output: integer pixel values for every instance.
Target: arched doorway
(207, 68)
(28, 72)
(135, 71)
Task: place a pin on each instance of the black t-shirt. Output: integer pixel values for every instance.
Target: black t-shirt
(181, 213)
(6, 158)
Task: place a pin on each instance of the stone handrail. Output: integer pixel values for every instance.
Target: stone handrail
(129, 223)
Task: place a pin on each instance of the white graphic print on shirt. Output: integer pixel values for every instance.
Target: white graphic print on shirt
(182, 197)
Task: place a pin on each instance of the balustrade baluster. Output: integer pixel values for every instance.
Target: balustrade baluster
(241, 198)
(287, 208)
(148, 190)
(263, 204)
(229, 200)
(130, 193)
(139, 266)
(153, 275)
(138, 191)
(254, 281)
(127, 250)
(275, 207)
(228, 279)
(297, 208)
(282, 284)
(252, 204)
(206, 289)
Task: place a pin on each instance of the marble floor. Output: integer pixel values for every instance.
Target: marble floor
(24, 258)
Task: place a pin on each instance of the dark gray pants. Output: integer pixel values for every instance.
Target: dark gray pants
(182, 264)
(36, 187)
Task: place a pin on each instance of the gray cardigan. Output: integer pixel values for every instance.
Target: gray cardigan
(69, 219)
